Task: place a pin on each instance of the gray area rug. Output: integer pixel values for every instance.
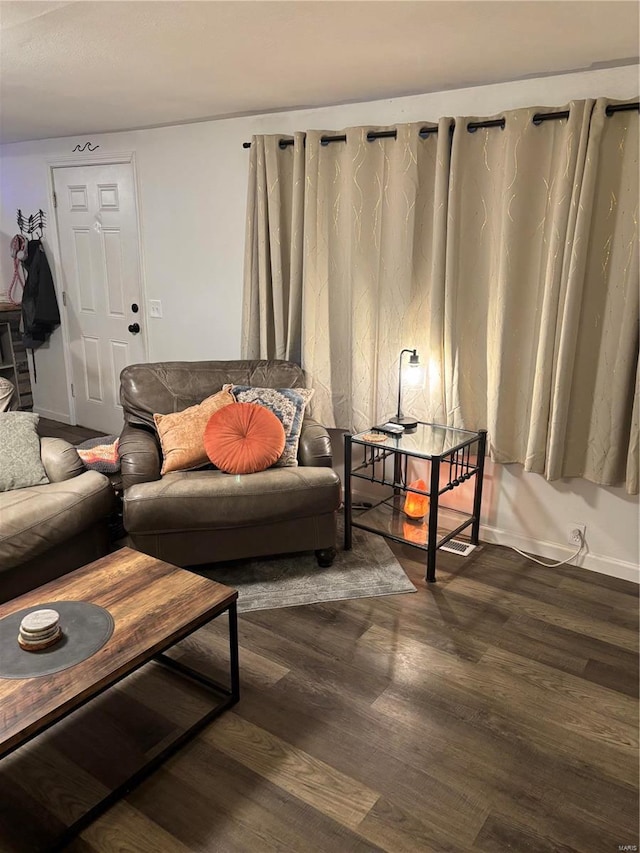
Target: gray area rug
(369, 569)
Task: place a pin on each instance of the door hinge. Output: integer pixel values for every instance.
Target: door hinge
(64, 298)
(55, 199)
(73, 393)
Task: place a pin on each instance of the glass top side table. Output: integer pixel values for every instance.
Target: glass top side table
(453, 456)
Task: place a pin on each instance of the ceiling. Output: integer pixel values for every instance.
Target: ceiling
(74, 68)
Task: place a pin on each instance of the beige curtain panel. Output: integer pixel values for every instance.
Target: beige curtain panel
(507, 257)
(511, 198)
(374, 214)
(594, 412)
(272, 299)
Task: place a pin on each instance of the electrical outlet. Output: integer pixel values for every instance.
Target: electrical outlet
(576, 533)
(155, 308)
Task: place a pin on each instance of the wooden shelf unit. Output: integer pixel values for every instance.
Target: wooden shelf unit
(13, 355)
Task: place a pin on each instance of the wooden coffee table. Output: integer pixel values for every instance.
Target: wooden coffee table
(153, 605)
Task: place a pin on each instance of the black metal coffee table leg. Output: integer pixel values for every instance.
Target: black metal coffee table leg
(347, 493)
(230, 696)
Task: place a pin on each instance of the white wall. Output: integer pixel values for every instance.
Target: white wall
(192, 191)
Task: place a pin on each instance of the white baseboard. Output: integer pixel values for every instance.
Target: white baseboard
(52, 416)
(555, 552)
(552, 551)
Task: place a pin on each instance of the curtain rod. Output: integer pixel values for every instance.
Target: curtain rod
(622, 108)
(472, 126)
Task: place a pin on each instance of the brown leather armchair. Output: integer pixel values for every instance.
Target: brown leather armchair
(205, 516)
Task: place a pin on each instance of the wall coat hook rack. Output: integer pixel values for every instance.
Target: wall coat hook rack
(32, 224)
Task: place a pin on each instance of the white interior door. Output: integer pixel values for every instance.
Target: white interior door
(98, 231)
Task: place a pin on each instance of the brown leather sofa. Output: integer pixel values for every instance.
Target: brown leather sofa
(205, 516)
(47, 531)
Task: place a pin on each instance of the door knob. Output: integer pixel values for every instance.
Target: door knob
(134, 328)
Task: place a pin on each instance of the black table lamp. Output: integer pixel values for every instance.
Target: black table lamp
(414, 363)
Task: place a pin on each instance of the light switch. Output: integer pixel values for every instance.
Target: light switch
(155, 308)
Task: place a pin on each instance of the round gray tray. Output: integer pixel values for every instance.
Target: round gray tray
(85, 627)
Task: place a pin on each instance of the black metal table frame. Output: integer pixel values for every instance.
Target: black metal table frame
(460, 469)
(230, 694)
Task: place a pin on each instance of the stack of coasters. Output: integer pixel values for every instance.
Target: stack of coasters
(39, 629)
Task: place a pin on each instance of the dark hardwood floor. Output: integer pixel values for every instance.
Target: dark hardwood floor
(493, 711)
(72, 434)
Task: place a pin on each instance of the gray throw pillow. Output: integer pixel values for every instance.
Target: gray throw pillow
(20, 462)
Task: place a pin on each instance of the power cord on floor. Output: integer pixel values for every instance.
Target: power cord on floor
(552, 565)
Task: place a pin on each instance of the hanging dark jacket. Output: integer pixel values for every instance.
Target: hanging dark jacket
(40, 314)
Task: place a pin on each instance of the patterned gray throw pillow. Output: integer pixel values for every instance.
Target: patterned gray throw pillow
(288, 404)
(20, 463)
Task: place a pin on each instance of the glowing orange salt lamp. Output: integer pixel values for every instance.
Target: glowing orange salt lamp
(415, 506)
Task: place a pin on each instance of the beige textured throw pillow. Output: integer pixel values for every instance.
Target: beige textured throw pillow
(181, 434)
(287, 404)
(20, 462)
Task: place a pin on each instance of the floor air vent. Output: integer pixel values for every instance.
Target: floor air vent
(463, 549)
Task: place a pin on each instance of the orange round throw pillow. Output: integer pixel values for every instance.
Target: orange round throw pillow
(243, 438)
